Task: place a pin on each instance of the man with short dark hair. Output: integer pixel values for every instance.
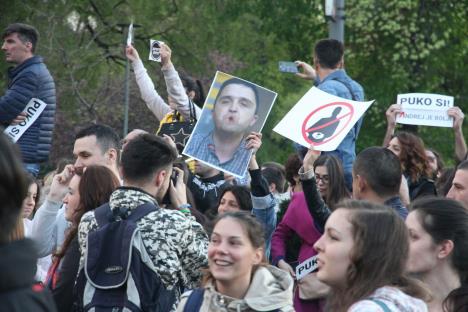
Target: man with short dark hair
(376, 177)
(176, 244)
(329, 76)
(18, 258)
(97, 144)
(28, 79)
(459, 189)
(234, 113)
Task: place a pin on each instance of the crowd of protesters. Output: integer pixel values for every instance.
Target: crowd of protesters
(132, 225)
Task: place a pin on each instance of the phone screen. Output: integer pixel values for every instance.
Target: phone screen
(287, 67)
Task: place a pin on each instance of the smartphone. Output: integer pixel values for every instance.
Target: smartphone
(287, 67)
(167, 199)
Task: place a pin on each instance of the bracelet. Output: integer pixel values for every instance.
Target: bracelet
(185, 209)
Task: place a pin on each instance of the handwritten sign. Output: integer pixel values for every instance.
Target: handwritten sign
(425, 109)
(32, 110)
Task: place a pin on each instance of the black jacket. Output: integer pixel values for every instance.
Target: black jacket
(18, 292)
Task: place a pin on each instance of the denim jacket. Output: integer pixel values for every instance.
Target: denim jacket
(264, 204)
(340, 84)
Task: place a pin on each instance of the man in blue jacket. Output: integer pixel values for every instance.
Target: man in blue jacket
(329, 76)
(28, 78)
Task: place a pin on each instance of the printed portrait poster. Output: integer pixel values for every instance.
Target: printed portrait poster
(234, 107)
(321, 119)
(425, 109)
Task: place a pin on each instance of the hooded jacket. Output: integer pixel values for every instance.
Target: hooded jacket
(18, 291)
(270, 289)
(393, 298)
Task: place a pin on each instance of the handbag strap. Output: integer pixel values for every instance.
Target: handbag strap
(193, 116)
(381, 304)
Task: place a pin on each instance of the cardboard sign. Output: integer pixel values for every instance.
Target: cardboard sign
(234, 107)
(425, 109)
(33, 110)
(306, 267)
(321, 119)
(155, 50)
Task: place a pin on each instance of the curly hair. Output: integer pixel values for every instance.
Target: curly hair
(413, 156)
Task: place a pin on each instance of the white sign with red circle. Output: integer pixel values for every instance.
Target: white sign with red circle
(321, 119)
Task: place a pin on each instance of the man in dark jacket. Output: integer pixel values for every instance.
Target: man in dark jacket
(28, 79)
(18, 291)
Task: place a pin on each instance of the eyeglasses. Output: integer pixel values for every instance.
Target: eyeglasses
(324, 178)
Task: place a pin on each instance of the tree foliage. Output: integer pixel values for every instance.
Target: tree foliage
(391, 47)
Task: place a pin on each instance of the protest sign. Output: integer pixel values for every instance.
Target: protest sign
(234, 107)
(32, 110)
(155, 50)
(321, 119)
(425, 109)
(306, 267)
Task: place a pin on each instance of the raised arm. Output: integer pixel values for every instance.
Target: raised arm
(148, 92)
(460, 145)
(317, 207)
(391, 114)
(178, 98)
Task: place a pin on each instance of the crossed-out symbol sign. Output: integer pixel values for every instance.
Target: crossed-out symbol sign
(326, 122)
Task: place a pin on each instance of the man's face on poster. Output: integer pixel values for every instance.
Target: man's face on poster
(234, 110)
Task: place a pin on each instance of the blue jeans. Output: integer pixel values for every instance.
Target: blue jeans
(32, 168)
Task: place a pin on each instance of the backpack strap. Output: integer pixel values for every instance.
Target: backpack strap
(381, 304)
(348, 86)
(195, 300)
(141, 211)
(105, 214)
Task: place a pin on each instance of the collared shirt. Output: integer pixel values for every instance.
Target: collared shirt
(203, 148)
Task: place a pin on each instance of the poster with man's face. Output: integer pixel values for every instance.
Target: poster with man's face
(155, 50)
(234, 108)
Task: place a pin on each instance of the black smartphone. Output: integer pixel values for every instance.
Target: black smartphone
(288, 67)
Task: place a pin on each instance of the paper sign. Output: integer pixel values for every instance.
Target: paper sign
(321, 119)
(32, 110)
(234, 107)
(130, 35)
(306, 267)
(155, 50)
(425, 109)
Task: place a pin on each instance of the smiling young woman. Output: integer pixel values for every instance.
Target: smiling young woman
(238, 279)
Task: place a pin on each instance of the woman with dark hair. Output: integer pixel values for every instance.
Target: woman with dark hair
(410, 150)
(330, 179)
(233, 198)
(362, 257)
(438, 256)
(238, 279)
(86, 192)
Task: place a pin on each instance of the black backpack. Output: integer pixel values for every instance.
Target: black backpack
(118, 274)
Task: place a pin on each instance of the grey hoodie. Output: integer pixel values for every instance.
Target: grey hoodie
(270, 289)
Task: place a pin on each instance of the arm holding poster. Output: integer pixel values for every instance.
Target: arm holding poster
(391, 115)
(460, 144)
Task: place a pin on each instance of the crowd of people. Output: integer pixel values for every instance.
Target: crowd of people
(131, 224)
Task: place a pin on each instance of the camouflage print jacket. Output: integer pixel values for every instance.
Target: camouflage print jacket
(177, 244)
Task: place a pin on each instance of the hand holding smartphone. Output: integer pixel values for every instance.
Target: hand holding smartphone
(287, 67)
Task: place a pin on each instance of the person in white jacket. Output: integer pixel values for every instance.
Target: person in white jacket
(179, 93)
